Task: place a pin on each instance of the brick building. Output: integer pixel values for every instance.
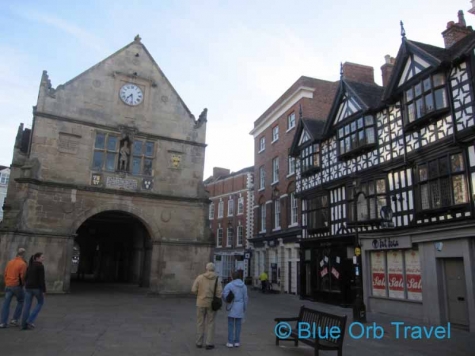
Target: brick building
(231, 218)
(277, 224)
(395, 176)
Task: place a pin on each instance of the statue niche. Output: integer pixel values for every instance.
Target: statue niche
(124, 154)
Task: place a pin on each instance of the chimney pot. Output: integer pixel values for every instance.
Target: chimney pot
(450, 24)
(456, 31)
(387, 69)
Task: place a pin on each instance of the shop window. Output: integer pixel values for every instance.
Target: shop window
(396, 274)
(356, 136)
(330, 269)
(442, 182)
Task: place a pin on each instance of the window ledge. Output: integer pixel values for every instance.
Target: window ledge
(261, 151)
(274, 183)
(277, 139)
(288, 130)
(230, 216)
(219, 246)
(293, 225)
(276, 229)
(357, 151)
(261, 190)
(262, 232)
(239, 214)
(428, 118)
(290, 175)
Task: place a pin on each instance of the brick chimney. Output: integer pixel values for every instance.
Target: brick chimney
(456, 31)
(387, 69)
(358, 72)
(220, 172)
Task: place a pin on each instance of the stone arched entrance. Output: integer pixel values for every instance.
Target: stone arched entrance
(114, 247)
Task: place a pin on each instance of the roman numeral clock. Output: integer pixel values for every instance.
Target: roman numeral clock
(131, 94)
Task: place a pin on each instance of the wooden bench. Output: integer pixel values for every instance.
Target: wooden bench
(320, 320)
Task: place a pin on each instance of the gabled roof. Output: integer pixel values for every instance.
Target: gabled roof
(433, 55)
(314, 128)
(137, 41)
(368, 96)
(3, 167)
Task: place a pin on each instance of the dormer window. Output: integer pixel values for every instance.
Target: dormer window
(356, 135)
(426, 97)
(310, 158)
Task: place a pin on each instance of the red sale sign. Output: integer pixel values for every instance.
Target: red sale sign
(395, 275)
(413, 275)
(378, 274)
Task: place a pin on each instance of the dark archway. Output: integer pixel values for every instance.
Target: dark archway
(114, 247)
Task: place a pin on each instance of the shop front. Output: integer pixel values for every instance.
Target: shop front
(326, 270)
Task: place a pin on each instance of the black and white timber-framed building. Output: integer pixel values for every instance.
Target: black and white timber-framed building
(405, 152)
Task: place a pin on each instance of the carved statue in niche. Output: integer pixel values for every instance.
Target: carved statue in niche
(124, 154)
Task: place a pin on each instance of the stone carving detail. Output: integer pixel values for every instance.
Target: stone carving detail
(121, 183)
(68, 143)
(176, 160)
(147, 184)
(96, 179)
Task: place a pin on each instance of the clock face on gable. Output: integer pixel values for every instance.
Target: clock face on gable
(131, 94)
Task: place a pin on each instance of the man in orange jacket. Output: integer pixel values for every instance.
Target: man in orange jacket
(14, 281)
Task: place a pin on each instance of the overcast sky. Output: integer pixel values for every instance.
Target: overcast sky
(233, 57)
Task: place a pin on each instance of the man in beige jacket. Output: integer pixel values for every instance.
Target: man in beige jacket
(203, 287)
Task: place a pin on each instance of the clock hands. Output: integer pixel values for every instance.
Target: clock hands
(132, 99)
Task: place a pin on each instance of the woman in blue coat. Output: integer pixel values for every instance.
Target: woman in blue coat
(236, 309)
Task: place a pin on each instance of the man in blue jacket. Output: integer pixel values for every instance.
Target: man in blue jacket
(236, 308)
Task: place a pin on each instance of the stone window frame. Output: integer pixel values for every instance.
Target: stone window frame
(4, 178)
(106, 152)
(142, 156)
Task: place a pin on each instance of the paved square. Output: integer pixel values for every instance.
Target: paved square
(98, 320)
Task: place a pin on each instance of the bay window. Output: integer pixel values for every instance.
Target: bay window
(356, 135)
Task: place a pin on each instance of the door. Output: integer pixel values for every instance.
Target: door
(456, 292)
(290, 277)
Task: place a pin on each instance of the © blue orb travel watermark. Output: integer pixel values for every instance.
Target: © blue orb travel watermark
(357, 331)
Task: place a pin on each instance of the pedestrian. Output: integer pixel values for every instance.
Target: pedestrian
(235, 294)
(264, 278)
(206, 287)
(35, 287)
(14, 275)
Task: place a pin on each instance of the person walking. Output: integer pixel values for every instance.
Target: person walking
(15, 272)
(235, 294)
(264, 278)
(35, 287)
(206, 287)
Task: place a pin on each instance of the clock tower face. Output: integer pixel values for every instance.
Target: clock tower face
(131, 94)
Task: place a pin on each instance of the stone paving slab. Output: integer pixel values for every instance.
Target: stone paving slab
(98, 321)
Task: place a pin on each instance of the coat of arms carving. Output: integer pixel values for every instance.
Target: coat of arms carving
(176, 160)
(147, 183)
(96, 179)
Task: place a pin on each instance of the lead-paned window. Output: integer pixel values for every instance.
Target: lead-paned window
(318, 213)
(425, 97)
(105, 152)
(310, 157)
(356, 134)
(442, 182)
(143, 153)
(369, 198)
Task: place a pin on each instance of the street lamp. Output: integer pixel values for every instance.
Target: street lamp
(359, 308)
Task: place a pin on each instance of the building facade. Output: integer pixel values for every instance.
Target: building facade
(277, 211)
(231, 219)
(114, 164)
(4, 179)
(394, 179)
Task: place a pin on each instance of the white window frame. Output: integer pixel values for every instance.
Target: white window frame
(275, 133)
(211, 211)
(294, 210)
(275, 170)
(277, 214)
(263, 217)
(4, 178)
(290, 121)
(262, 144)
(240, 206)
(219, 239)
(230, 207)
(229, 237)
(220, 209)
(240, 235)
(291, 162)
(262, 178)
